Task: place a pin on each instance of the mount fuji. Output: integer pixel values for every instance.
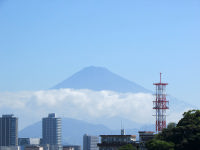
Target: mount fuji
(105, 92)
(99, 78)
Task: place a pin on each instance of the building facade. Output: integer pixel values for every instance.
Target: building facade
(8, 130)
(51, 132)
(114, 142)
(90, 142)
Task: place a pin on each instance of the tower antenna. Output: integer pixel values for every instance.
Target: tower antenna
(160, 76)
(122, 129)
(160, 105)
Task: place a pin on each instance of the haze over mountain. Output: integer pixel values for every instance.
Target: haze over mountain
(73, 130)
(99, 78)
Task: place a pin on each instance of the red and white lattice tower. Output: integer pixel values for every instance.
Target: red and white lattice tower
(160, 105)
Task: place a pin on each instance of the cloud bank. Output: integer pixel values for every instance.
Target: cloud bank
(88, 105)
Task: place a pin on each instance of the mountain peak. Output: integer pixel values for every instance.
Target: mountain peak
(95, 69)
(100, 78)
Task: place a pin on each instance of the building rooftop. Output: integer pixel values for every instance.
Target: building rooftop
(52, 115)
(118, 136)
(7, 116)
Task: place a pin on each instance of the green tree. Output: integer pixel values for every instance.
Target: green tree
(192, 117)
(171, 125)
(127, 147)
(159, 145)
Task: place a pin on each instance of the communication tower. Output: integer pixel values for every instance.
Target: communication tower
(160, 105)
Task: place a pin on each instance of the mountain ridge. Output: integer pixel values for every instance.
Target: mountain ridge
(100, 78)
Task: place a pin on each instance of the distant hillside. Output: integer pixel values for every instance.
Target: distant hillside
(72, 130)
(99, 78)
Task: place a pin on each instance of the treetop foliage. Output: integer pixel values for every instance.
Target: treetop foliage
(127, 147)
(184, 136)
(192, 117)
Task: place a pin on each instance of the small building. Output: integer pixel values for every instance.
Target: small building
(114, 142)
(33, 147)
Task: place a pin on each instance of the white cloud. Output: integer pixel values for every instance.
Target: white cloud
(80, 104)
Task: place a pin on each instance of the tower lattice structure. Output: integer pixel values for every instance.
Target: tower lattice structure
(160, 105)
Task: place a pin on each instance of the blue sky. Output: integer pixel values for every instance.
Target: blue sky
(42, 42)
